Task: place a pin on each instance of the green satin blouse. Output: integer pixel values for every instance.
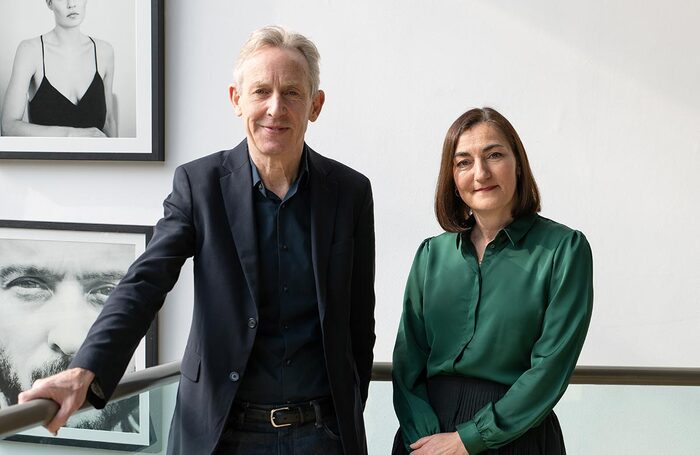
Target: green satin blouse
(519, 318)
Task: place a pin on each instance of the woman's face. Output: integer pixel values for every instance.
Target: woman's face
(68, 13)
(485, 171)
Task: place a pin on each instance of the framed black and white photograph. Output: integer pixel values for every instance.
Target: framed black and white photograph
(54, 281)
(81, 80)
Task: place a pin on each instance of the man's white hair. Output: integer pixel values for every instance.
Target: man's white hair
(276, 36)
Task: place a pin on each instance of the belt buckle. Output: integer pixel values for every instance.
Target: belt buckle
(272, 418)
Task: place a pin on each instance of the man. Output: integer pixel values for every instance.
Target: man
(50, 294)
(280, 350)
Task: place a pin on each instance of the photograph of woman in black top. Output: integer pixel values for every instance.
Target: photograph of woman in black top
(63, 79)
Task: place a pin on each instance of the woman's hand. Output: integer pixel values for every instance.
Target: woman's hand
(85, 132)
(439, 444)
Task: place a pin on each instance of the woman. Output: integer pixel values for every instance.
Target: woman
(496, 309)
(64, 80)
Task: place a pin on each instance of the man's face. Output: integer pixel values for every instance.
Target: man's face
(274, 101)
(50, 294)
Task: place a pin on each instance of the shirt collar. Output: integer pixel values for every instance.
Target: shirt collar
(515, 231)
(302, 177)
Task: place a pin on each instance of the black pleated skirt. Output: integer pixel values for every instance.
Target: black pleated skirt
(456, 399)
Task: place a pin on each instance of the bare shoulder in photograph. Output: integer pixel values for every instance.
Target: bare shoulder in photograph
(61, 82)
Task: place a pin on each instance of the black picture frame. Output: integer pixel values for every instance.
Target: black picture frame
(144, 140)
(53, 279)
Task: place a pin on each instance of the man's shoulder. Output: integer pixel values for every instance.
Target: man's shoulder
(336, 170)
(218, 161)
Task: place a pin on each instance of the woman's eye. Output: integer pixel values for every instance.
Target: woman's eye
(495, 155)
(463, 163)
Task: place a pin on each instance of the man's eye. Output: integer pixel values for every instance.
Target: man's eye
(30, 289)
(98, 294)
(26, 282)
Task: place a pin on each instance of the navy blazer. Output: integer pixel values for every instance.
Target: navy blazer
(209, 216)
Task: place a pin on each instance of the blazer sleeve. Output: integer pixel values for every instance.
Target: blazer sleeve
(133, 304)
(363, 298)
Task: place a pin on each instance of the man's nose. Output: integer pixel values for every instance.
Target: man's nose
(74, 318)
(276, 105)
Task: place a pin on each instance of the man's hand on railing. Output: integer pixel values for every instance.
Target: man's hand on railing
(68, 389)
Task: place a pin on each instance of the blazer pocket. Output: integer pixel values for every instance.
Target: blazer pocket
(190, 365)
(342, 247)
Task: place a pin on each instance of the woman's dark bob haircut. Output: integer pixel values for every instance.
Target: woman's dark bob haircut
(451, 211)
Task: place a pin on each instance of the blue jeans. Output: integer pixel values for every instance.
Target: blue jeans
(253, 438)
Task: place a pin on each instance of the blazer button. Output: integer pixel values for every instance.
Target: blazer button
(252, 323)
(234, 376)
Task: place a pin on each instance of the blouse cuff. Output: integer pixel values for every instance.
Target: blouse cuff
(471, 438)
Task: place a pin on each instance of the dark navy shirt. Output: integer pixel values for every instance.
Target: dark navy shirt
(287, 363)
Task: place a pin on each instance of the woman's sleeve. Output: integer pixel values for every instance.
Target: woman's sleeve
(553, 359)
(416, 416)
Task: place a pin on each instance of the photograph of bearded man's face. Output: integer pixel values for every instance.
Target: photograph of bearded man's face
(50, 294)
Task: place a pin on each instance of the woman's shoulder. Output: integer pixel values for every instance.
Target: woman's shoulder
(104, 48)
(553, 232)
(29, 54)
(446, 240)
(30, 46)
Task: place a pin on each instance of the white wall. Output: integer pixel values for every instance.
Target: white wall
(603, 94)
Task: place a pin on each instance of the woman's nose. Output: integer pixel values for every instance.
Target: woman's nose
(481, 170)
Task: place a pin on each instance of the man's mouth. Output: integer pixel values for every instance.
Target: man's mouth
(53, 367)
(275, 129)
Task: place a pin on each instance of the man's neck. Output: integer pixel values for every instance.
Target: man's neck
(277, 172)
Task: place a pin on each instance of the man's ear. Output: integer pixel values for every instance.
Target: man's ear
(235, 97)
(317, 105)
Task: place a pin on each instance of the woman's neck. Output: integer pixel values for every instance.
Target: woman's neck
(487, 227)
(68, 36)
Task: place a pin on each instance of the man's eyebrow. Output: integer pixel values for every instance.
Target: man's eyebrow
(27, 270)
(111, 275)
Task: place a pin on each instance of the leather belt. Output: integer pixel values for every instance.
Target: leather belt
(284, 415)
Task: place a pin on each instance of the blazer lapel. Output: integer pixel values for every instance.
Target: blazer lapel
(237, 191)
(324, 201)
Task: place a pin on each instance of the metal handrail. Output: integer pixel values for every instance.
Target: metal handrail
(28, 415)
(23, 416)
(602, 375)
